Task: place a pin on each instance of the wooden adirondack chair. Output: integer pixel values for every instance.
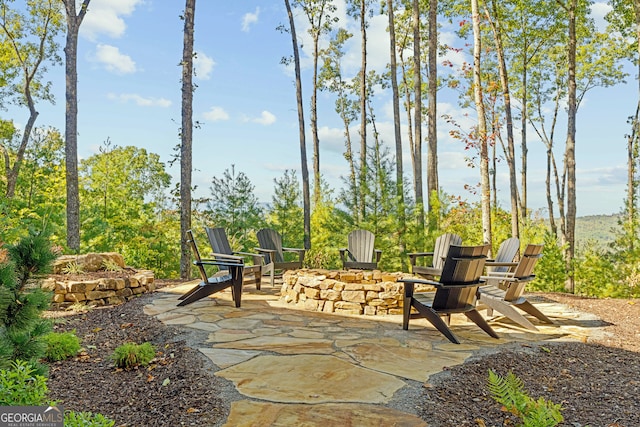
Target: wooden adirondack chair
(506, 254)
(361, 253)
(440, 249)
(222, 251)
(456, 291)
(271, 246)
(229, 276)
(505, 301)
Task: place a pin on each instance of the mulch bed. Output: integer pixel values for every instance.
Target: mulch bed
(597, 383)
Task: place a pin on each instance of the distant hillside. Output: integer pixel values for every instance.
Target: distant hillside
(596, 227)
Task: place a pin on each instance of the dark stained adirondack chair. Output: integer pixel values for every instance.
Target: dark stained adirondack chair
(440, 249)
(503, 291)
(506, 254)
(222, 251)
(271, 247)
(228, 276)
(456, 292)
(361, 253)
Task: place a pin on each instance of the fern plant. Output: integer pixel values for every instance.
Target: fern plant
(510, 393)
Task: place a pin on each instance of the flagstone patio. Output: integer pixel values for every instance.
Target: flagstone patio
(294, 366)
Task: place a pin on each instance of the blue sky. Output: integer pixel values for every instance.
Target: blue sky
(129, 91)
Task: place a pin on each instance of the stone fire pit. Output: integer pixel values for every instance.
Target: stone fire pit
(348, 292)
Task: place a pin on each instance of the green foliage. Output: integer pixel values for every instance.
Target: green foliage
(111, 265)
(22, 302)
(21, 385)
(73, 268)
(234, 206)
(123, 196)
(130, 355)
(37, 204)
(61, 345)
(329, 233)
(510, 393)
(285, 214)
(86, 419)
(32, 255)
(550, 270)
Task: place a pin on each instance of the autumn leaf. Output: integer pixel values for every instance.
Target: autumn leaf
(192, 410)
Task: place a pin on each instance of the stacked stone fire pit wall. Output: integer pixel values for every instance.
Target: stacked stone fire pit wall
(347, 292)
(116, 289)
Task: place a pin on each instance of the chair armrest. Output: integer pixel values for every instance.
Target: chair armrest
(349, 256)
(501, 275)
(229, 263)
(413, 256)
(258, 259)
(269, 254)
(491, 263)
(420, 281)
(299, 251)
(417, 254)
(224, 257)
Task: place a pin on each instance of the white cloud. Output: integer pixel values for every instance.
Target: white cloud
(598, 11)
(203, 66)
(216, 114)
(113, 60)
(139, 100)
(105, 17)
(266, 118)
(250, 18)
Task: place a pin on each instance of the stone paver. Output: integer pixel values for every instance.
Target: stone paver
(247, 413)
(310, 379)
(304, 367)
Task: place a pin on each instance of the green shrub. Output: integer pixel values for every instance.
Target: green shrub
(61, 345)
(21, 303)
(20, 385)
(130, 355)
(111, 265)
(86, 419)
(509, 392)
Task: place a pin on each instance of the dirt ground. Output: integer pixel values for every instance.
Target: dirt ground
(597, 383)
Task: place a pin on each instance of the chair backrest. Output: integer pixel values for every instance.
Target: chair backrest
(460, 277)
(506, 253)
(271, 239)
(441, 248)
(196, 255)
(528, 261)
(361, 245)
(524, 271)
(218, 240)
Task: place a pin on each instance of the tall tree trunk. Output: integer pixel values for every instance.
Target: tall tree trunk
(363, 110)
(417, 121)
(485, 196)
(396, 127)
(506, 95)
(523, 143)
(432, 156)
(186, 146)
(303, 144)
(570, 149)
(314, 123)
(71, 120)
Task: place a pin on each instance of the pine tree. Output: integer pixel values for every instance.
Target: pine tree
(22, 302)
